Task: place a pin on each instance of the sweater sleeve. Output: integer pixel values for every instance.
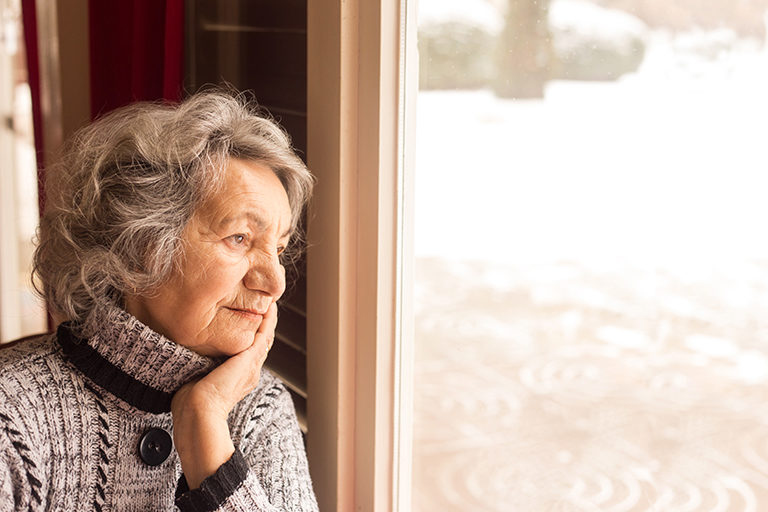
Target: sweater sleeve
(268, 471)
(15, 491)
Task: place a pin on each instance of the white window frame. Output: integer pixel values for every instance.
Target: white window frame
(358, 343)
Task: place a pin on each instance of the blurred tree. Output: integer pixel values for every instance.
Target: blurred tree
(525, 53)
(455, 55)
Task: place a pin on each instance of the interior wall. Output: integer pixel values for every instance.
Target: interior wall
(64, 69)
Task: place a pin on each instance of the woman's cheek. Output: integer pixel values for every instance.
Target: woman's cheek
(229, 255)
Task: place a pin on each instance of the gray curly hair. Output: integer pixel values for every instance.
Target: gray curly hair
(125, 187)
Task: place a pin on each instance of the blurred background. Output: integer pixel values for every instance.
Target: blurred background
(592, 258)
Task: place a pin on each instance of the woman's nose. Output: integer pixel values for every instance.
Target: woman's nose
(266, 275)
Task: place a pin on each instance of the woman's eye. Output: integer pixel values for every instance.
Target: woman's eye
(238, 239)
(280, 249)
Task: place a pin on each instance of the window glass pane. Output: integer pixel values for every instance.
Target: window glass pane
(21, 313)
(591, 258)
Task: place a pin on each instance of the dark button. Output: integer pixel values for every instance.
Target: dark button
(155, 446)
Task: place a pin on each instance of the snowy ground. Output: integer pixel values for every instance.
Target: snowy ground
(591, 292)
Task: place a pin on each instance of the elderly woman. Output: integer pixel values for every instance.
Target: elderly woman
(161, 253)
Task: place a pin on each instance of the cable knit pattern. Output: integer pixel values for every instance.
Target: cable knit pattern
(72, 415)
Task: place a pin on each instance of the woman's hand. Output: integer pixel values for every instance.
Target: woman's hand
(200, 408)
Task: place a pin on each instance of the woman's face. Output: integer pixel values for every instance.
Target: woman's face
(231, 272)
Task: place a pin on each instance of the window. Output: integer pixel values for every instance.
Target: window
(590, 264)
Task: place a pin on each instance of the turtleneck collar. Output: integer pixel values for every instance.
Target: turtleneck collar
(132, 361)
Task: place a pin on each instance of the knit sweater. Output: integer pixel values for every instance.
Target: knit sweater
(81, 422)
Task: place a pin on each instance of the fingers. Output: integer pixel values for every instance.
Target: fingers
(266, 333)
(269, 324)
(233, 379)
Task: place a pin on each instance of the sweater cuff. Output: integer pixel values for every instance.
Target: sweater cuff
(215, 489)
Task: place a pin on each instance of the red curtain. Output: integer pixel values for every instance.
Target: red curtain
(136, 51)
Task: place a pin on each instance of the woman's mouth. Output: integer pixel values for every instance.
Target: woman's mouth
(249, 314)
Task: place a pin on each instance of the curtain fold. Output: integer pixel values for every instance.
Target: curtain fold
(136, 52)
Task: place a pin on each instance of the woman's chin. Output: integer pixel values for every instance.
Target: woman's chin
(225, 345)
(228, 334)
(231, 345)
